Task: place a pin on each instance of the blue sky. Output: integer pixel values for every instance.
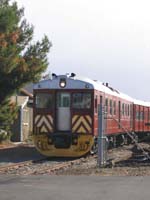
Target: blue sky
(102, 39)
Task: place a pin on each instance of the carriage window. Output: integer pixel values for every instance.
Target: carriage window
(128, 110)
(114, 108)
(142, 115)
(44, 100)
(81, 100)
(106, 105)
(110, 104)
(123, 109)
(137, 115)
(96, 109)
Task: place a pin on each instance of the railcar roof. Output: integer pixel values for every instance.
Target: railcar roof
(97, 85)
(142, 103)
(79, 82)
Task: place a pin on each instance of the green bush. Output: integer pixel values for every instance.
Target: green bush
(3, 136)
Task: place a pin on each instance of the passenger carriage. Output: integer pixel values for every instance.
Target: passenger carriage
(141, 118)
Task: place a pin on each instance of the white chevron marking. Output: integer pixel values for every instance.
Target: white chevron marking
(50, 118)
(43, 129)
(45, 121)
(37, 118)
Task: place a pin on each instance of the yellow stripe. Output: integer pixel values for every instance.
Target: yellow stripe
(77, 123)
(82, 120)
(74, 118)
(89, 119)
(86, 125)
(81, 130)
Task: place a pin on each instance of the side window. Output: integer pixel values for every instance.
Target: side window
(128, 110)
(119, 109)
(123, 109)
(101, 100)
(141, 115)
(131, 109)
(96, 104)
(114, 105)
(106, 105)
(137, 115)
(110, 104)
(148, 114)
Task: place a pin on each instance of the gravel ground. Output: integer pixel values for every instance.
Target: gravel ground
(123, 163)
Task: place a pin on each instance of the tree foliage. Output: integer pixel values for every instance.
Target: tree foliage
(21, 60)
(8, 112)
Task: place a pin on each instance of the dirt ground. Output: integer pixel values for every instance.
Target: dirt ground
(123, 161)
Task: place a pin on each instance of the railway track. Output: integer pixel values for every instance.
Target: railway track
(18, 165)
(52, 169)
(34, 167)
(122, 156)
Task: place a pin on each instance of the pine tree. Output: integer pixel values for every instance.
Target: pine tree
(8, 112)
(21, 61)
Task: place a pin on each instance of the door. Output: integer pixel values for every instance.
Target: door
(132, 119)
(119, 114)
(63, 111)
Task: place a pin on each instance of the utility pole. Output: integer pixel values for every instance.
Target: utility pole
(102, 139)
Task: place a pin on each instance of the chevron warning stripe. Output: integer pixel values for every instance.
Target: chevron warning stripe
(43, 123)
(81, 124)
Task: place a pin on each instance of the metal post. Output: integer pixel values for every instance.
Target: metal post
(102, 140)
(21, 123)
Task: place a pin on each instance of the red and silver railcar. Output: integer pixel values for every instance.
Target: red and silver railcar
(66, 114)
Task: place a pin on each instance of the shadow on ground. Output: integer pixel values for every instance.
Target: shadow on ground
(19, 154)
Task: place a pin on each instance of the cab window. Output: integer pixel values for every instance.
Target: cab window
(81, 101)
(44, 100)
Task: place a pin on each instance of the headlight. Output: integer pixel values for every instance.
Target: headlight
(62, 83)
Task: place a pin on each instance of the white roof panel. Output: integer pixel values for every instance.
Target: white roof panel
(142, 103)
(78, 82)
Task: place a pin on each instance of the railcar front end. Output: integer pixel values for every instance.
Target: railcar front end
(63, 117)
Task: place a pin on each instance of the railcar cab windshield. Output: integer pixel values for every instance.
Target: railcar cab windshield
(44, 100)
(80, 100)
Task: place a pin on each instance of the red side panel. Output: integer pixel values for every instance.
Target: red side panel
(145, 119)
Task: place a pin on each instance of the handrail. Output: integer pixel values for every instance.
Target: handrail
(130, 135)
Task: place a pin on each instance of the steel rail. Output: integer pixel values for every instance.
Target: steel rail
(18, 165)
